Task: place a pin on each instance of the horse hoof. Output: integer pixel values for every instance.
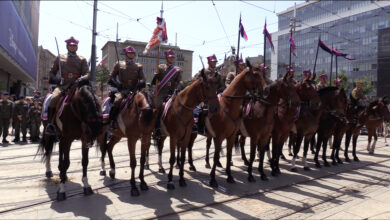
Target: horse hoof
(274, 173)
(334, 163)
(306, 168)
(340, 161)
(246, 163)
(182, 183)
(213, 183)
(134, 191)
(318, 165)
(177, 166)
(231, 163)
(283, 157)
(297, 157)
(112, 175)
(312, 152)
(251, 179)
(147, 167)
(278, 171)
(61, 196)
(326, 164)
(143, 186)
(230, 179)
(347, 160)
(192, 168)
(356, 159)
(49, 174)
(294, 169)
(371, 152)
(207, 166)
(170, 186)
(88, 191)
(102, 173)
(219, 164)
(264, 177)
(161, 170)
(290, 154)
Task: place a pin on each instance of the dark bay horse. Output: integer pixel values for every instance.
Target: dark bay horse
(373, 117)
(334, 101)
(135, 121)
(178, 122)
(81, 118)
(226, 123)
(307, 124)
(259, 123)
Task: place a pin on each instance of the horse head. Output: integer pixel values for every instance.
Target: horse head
(254, 80)
(334, 99)
(287, 91)
(208, 93)
(147, 111)
(380, 108)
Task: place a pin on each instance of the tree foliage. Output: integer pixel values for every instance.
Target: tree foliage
(102, 77)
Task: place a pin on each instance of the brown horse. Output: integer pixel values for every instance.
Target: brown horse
(81, 118)
(225, 124)
(334, 103)
(259, 123)
(178, 122)
(373, 117)
(309, 118)
(135, 121)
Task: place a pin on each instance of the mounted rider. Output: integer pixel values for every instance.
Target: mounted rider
(127, 76)
(337, 82)
(291, 72)
(323, 81)
(212, 71)
(240, 66)
(357, 92)
(74, 68)
(166, 81)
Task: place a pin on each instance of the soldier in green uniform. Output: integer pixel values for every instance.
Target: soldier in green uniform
(357, 92)
(126, 76)
(34, 115)
(20, 115)
(5, 115)
(74, 68)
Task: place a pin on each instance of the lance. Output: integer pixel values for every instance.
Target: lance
(59, 62)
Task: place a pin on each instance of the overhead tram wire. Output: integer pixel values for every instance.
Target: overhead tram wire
(220, 21)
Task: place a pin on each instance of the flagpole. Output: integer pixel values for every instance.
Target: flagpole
(238, 43)
(315, 61)
(93, 52)
(331, 66)
(265, 40)
(337, 75)
(158, 48)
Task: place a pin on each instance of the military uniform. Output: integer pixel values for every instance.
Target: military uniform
(320, 86)
(229, 78)
(20, 115)
(5, 117)
(170, 86)
(212, 72)
(35, 121)
(357, 93)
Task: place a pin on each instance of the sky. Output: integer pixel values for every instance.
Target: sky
(205, 27)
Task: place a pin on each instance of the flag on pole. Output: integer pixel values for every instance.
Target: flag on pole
(292, 43)
(242, 31)
(324, 47)
(266, 33)
(338, 53)
(159, 36)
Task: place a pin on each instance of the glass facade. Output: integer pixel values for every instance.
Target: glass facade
(356, 35)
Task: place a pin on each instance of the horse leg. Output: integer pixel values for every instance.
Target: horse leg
(190, 146)
(145, 145)
(110, 147)
(291, 141)
(339, 161)
(84, 162)
(324, 146)
(49, 173)
(183, 148)
(253, 142)
(305, 149)
(318, 147)
(348, 136)
(261, 163)
(374, 143)
(102, 140)
(354, 143)
(275, 157)
(297, 146)
(369, 141)
(173, 145)
(229, 149)
(160, 145)
(63, 166)
(177, 166)
(217, 144)
(208, 144)
(242, 147)
(133, 163)
(332, 155)
(147, 159)
(312, 144)
(268, 149)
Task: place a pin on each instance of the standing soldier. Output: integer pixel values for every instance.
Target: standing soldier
(74, 68)
(357, 92)
(168, 80)
(323, 81)
(126, 76)
(20, 116)
(5, 115)
(35, 119)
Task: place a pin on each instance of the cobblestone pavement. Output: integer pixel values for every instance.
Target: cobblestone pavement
(356, 190)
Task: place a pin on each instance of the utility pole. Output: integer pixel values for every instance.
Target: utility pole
(93, 53)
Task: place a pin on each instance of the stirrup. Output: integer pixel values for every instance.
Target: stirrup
(50, 129)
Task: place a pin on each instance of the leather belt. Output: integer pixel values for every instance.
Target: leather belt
(70, 75)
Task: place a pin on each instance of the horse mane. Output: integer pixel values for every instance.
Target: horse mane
(326, 90)
(90, 101)
(148, 113)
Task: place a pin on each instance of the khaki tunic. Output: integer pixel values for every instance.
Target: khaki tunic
(320, 86)
(357, 93)
(21, 109)
(127, 74)
(170, 86)
(35, 120)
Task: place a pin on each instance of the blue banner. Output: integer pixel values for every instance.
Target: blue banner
(15, 40)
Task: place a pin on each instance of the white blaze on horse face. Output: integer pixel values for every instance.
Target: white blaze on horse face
(62, 188)
(103, 164)
(48, 165)
(85, 182)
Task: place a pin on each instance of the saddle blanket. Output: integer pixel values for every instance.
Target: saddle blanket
(166, 107)
(46, 103)
(62, 105)
(106, 107)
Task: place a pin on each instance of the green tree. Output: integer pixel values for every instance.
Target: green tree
(367, 86)
(102, 77)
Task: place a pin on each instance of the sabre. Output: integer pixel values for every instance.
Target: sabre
(59, 62)
(200, 57)
(115, 45)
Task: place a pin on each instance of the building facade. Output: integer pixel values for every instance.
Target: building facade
(19, 22)
(183, 57)
(348, 26)
(45, 62)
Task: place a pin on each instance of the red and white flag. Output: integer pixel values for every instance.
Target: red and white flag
(159, 36)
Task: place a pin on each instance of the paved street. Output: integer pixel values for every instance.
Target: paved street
(349, 191)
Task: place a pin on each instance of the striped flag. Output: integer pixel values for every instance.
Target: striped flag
(292, 43)
(324, 47)
(242, 31)
(159, 36)
(266, 33)
(338, 53)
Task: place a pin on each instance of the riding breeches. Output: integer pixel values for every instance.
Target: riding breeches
(56, 95)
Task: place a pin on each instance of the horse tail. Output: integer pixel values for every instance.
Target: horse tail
(103, 148)
(45, 147)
